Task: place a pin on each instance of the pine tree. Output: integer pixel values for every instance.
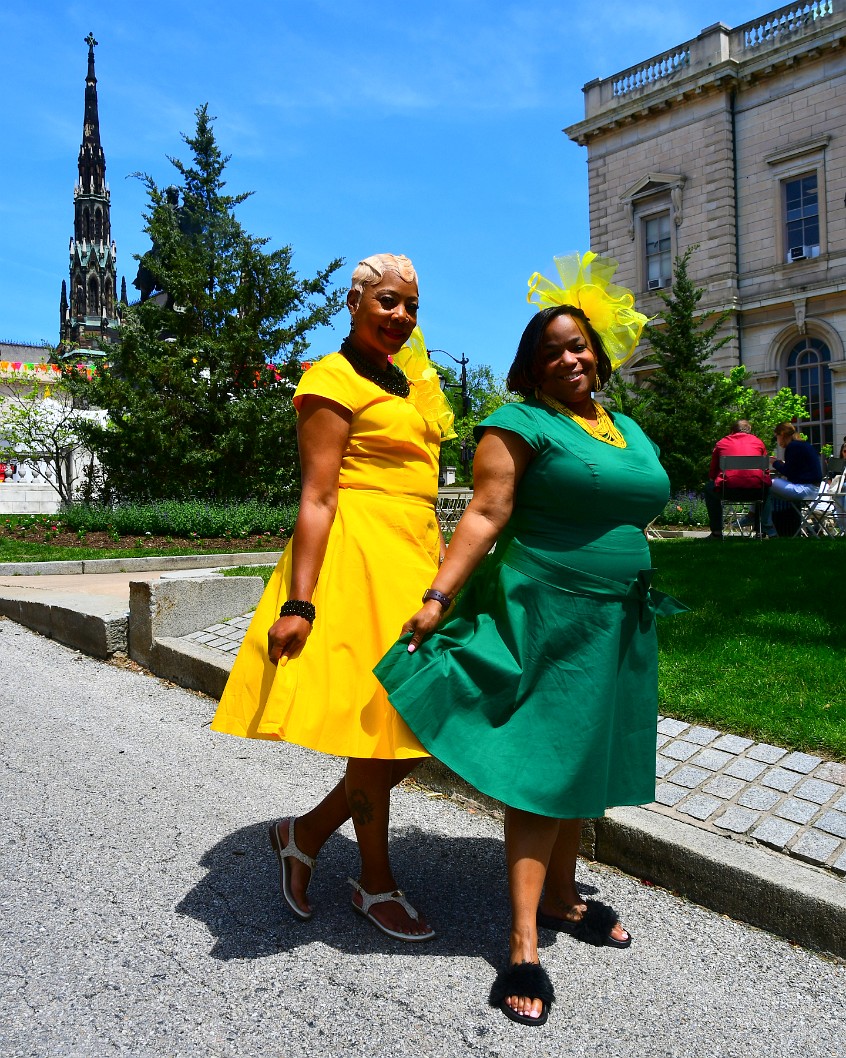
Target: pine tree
(683, 409)
(198, 387)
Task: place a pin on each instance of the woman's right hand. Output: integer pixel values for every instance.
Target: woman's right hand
(423, 623)
(286, 638)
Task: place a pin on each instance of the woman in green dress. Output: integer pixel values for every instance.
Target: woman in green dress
(540, 687)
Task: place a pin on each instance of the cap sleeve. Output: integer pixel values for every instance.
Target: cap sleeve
(516, 417)
(332, 378)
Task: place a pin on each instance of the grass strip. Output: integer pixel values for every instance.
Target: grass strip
(265, 572)
(762, 652)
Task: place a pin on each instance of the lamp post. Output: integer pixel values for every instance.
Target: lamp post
(463, 362)
(465, 395)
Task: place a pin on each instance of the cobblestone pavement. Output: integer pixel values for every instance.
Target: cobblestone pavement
(750, 791)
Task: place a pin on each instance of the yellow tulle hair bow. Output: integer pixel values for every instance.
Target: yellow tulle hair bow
(586, 284)
(426, 393)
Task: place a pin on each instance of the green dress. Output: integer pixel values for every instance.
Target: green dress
(541, 687)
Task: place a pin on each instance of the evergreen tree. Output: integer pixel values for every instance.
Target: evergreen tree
(683, 411)
(198, 387)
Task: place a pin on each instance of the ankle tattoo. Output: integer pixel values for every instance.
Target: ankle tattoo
(361, 807)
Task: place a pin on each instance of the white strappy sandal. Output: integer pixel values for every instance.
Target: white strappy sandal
(285, 853)
(396, 897)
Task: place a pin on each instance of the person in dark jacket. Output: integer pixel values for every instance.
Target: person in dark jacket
(796, 478)
(800, 472)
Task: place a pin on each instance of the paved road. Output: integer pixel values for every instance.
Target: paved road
(140, 912)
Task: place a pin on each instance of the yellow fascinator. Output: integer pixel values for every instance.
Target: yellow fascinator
(586, 283)
(426, 394)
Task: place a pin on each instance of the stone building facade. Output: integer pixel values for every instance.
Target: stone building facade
(736, 141)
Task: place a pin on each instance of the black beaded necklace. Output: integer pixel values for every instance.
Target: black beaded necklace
(391, 380)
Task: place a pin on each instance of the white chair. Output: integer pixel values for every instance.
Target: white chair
(825, 514)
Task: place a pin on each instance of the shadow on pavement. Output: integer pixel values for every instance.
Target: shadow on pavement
(459, 883)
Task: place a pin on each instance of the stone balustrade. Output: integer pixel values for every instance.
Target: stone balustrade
(716, 48)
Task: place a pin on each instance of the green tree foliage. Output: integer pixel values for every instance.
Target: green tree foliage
(485, 393)
(740, 401)
(198, 387)
(683, 408)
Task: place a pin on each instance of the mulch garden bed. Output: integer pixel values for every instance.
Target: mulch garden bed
(104, 541)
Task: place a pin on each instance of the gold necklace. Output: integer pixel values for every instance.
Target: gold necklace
(604, 430)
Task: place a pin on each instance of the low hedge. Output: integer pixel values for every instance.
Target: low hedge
(182, 518)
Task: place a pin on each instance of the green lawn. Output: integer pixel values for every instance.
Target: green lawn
(762, 652)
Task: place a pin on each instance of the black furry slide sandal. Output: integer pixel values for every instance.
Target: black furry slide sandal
(522, 979)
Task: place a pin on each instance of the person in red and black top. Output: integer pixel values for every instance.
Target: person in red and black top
(740, 442)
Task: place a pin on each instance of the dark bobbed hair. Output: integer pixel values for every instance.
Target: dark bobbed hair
(522, 376)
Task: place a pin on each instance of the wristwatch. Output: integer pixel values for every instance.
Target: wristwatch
(438, 596)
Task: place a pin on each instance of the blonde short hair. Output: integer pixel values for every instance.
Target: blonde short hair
(370, 271)
(785, 428)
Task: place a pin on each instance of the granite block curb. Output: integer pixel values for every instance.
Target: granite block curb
(83, 623)
(801, 903)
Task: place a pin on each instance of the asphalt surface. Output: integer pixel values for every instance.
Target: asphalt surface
(141, 913)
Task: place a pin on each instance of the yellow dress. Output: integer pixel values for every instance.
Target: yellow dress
(381, 556)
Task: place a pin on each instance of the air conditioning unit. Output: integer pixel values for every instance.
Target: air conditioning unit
(796, 253)
(655, 284)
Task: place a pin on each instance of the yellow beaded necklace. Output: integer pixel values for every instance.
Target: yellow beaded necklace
(604, 430)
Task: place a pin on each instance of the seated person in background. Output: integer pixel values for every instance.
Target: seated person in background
(740, 442)
(799, 473)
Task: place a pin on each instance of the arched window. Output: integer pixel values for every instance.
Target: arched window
(98, 225)
(808, 374)
(93, 297)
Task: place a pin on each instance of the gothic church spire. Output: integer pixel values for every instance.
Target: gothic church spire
(90, 313)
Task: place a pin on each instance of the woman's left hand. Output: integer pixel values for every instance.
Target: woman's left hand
(423, 623)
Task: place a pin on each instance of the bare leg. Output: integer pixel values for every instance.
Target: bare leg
(561, 898)
(368, 784)
(315, 827)
(529, 841)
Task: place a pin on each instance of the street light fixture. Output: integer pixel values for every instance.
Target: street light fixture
(465, 394)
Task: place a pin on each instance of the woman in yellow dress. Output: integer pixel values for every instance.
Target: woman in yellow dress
(365, 545)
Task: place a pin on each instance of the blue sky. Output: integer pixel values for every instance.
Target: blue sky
(426, 128)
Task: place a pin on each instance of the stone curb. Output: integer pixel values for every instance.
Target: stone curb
(749, 883)
(89, 625)
(802, 903)
(139, 565)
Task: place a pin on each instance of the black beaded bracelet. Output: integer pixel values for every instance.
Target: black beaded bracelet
(438, 596)
(299, 608)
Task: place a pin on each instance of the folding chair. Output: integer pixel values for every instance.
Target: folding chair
(739, 504)
(825, 514)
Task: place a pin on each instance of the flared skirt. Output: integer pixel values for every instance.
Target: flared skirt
(540, 696)
(381, 556)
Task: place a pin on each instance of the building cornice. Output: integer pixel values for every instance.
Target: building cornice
(719, 60)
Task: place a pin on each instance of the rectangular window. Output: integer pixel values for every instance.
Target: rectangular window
(658, 251)
(801, 218)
